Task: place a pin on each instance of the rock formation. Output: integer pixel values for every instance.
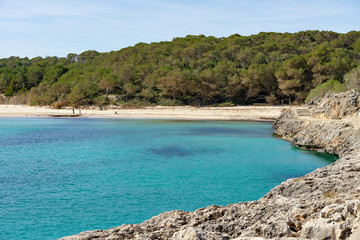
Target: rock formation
(324, 204)
(336, 106)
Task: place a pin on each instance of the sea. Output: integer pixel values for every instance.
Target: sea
(59, 177)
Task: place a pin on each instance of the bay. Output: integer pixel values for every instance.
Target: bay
(59, 177)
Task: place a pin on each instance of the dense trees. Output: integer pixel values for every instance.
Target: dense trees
(196, 70)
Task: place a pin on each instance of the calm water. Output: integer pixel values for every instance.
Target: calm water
(62, 176)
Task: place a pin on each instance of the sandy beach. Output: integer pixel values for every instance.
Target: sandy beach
(240, 113)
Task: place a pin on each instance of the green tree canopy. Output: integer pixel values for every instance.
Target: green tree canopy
(198, 70)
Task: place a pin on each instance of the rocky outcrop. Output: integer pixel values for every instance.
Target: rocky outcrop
(324, 204)
(335, 106)
(334, 189)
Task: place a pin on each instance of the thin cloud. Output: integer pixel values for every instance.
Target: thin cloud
(38, 8)
(297, 10)
(58, 26)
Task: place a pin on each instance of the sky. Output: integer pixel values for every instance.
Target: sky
(31, 28)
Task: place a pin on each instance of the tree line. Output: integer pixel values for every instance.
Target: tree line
(194, 70)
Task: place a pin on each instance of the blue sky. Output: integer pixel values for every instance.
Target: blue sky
(57, 27)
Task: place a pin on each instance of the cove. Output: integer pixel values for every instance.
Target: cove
(59, 177)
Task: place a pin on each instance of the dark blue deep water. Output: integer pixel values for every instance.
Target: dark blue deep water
(59, 177)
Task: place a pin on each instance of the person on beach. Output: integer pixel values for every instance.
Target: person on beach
(73, 111)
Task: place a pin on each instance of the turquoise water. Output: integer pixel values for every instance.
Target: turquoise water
(59, 177)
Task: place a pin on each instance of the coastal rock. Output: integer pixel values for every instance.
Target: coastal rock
(196, 234)
(332, 221)
(324, 204)
(336, 106)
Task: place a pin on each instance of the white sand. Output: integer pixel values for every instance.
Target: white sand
(245, 113)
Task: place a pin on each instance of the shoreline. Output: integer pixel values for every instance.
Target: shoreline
(238, 113)
(323, 204)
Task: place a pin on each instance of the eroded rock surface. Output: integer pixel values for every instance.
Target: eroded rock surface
(335, 106)
(324, 204)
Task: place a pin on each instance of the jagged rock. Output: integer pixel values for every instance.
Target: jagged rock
(336, 106)
(197, 234)
(324, 204)
(331, 222)
(355, 234)
(318, 229)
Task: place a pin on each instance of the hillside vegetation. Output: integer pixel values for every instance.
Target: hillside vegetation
(194, 70)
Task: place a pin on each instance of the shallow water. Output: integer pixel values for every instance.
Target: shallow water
(59, 177)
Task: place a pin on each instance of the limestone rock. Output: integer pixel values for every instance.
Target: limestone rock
(335, 106)
(197, 234)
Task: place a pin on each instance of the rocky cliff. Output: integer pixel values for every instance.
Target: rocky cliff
(324, 204)
(336, 106)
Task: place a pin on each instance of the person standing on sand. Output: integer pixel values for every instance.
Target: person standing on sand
(73, 111)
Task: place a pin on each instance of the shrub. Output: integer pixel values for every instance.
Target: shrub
(136, 103)
(170, 102)
(226, 104)
(272, 99)
(331, 86)
(59, 104)
(102, 100)
(352, 79)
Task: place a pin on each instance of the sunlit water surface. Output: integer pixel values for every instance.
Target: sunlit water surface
(59, 177)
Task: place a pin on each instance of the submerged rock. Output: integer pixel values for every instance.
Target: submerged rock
(324, 204)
